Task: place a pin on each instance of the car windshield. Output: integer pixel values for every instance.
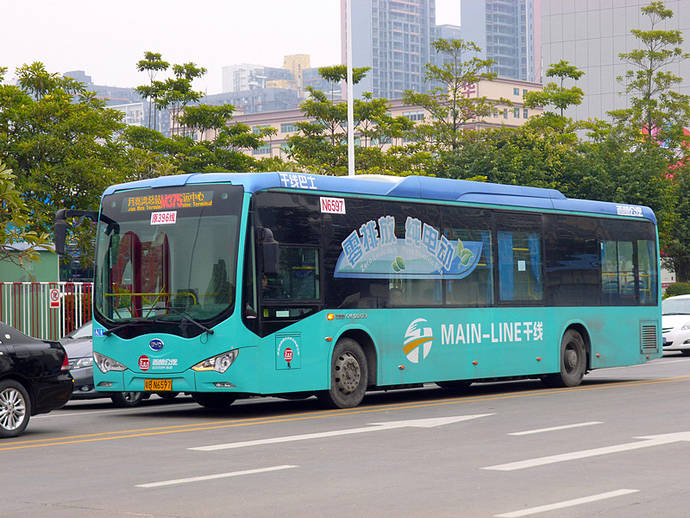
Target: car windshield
(84, 331)
(676, 306)
(167, 254)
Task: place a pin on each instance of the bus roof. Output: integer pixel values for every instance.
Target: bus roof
(413, 187)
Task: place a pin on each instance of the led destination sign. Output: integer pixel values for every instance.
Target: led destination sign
(178, 200)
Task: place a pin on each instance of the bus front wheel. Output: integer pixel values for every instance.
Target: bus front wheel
(573, 362)
(214, 401)
(349, 376)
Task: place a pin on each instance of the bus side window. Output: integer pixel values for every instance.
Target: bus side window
(647, 281)
(519, 266)
(617, 272)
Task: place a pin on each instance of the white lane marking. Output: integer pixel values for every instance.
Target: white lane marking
(568, 503)
(555, 428)
(646, 364)
(374, 427)
(651, 440)
(215, 476)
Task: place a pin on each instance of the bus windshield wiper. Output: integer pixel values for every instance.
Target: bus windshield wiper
(187, 317)
(110, 331)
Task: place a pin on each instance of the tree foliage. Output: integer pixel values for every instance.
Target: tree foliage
(61, 142)
(656, 111)
(451, 105)
(14, 222)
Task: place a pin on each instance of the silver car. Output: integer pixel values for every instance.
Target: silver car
(79, 347)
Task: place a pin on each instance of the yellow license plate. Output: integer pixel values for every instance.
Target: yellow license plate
(158, 385)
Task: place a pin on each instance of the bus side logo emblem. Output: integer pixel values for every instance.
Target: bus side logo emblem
(156, 344)
(417, 337)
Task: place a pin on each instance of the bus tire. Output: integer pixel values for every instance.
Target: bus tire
(573, 362)
(213, 400)
(349, 376)
(458, 386)
(127, 399)
(15, 408)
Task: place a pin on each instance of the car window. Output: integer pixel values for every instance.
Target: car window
(673, 306)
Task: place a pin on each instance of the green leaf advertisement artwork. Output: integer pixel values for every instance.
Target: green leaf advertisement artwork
(375, 252)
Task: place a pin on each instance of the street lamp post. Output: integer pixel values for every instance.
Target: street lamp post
(350, 110)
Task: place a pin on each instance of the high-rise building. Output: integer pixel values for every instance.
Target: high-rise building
(297, 64)
(591, 35)
(507, 31)
(393, 38)
(240, 78)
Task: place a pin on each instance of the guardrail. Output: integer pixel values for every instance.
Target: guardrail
(45, 310)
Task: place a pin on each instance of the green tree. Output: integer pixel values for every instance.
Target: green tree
(676, 249)
(175, 93)
(206, 118)
(320, 144)
(335, 74)
(61, 142)
(556, 95)
(14, 222)
(656, 110)
(449, 106)
(652, 129)
(151, 64)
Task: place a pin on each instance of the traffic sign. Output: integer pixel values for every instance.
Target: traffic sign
(54, 298)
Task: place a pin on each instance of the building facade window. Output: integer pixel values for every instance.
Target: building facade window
(288, 127)
(414, 116)
(263, 150)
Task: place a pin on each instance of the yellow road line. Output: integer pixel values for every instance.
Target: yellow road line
(303, 416)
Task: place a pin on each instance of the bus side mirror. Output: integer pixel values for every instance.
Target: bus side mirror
(60, 232)
(60, 226)
(269, 251)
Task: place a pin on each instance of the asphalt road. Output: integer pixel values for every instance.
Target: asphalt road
(618, 445)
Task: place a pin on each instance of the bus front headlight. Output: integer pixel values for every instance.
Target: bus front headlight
(219, 363)
(107, 364)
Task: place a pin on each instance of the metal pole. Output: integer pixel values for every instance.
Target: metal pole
(350, 109)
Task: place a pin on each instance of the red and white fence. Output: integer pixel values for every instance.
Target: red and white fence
(45, 310)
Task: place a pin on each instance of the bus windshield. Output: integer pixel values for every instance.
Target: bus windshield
(168, 254)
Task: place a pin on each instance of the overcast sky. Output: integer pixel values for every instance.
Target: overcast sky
(106, 39)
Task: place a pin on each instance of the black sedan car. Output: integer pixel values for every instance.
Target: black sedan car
(34, 379)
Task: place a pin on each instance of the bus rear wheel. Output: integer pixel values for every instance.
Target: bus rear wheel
(573, 362)
(214, 401)
(349, 376)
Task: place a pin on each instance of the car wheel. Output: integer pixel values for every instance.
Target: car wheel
(127, 399)
(15, 408)
(685, 352)
(213, 401)
(349, 376)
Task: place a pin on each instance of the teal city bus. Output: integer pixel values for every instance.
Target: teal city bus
(229, 285)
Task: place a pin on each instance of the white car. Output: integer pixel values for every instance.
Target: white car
(675, 324)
